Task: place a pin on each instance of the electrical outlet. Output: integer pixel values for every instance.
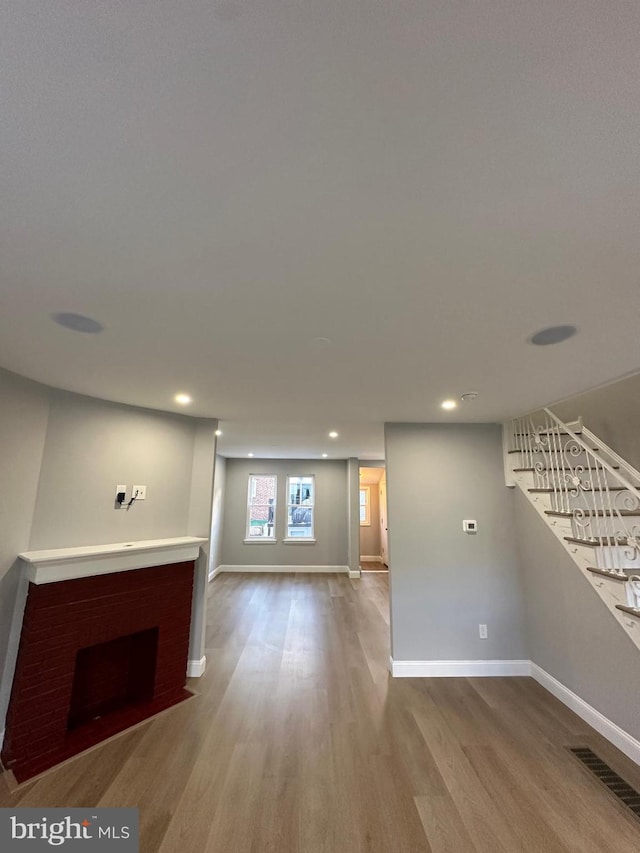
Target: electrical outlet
(483, 632)
(139, 492)
(121, 494)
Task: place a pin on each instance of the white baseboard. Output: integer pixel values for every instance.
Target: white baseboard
(354, 574)
(604, 726)
(457, 668)
(215, 573)
(363, 558)
(196, 668)
(281, 569)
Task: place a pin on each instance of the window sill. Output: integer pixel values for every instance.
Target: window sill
(258, 540)
(300, 541)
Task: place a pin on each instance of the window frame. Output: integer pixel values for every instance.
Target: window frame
(255, 540)
(312, 506)
(367, 505)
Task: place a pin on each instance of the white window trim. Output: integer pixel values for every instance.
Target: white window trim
(260, 540)
(367, 505)
(310, 540)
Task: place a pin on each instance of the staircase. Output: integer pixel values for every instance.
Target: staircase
(589, 498)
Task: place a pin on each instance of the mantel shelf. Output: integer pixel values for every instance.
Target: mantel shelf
(89, 560)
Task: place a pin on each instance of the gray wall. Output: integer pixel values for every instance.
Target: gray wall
(200, 524)
(24, 409)
(570, 632)
(331, 513)
(353, 514)
(444, 582)
(218, 511)
(92, 446)
(612, 413)
(370, 535)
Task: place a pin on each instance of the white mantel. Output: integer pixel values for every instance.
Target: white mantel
(64, 564)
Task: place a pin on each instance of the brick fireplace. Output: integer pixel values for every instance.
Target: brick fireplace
(97, 654)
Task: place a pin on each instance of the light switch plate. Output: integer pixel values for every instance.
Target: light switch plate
(139, 492)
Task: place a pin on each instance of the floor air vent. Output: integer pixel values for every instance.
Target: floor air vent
(616, 784)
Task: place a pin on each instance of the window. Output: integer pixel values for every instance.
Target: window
(365, 506)
(300, 506)
(261, 507)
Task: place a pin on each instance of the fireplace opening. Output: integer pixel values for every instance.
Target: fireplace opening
(113, 675)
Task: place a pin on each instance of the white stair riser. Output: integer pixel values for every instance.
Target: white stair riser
(563, 481)
(553, 460)
(563, 484)
(604, 557)
(615, 590)
(564, 502)
(610, 527)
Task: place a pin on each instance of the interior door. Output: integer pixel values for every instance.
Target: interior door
(384, 537)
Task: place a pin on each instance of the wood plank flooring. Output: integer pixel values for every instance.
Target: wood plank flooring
(371, 566)
(300, 742)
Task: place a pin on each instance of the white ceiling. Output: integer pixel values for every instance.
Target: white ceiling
(370, 476)
(426, 183)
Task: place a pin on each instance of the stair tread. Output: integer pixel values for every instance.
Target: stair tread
(557, 468)
(593, 513)
(550, 432)
(627, 609)
(609, 573)
(592, 449)
(597, 542)
(551, 490)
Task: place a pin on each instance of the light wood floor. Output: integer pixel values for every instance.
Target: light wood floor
(370, 566)
(300, 742)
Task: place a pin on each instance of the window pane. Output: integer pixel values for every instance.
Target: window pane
(261, 520)
(263, 488)
(300, 522)
(300, 490)
(365, 516)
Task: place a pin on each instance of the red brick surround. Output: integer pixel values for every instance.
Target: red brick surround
(62, 618)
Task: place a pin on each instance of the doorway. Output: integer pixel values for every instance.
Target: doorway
(374, 545)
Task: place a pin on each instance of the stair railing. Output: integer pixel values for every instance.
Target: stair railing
(632, 473)
(583, 485)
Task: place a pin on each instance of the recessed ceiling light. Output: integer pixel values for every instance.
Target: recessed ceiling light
(333, 434)
(468, 395)
(182, 399)
(321, 342)
(449, 404)
(218, 432)
(249, 454)
(552, 335)
(78, 323)
(324, 455)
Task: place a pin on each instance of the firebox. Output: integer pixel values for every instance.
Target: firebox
(110, 676)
